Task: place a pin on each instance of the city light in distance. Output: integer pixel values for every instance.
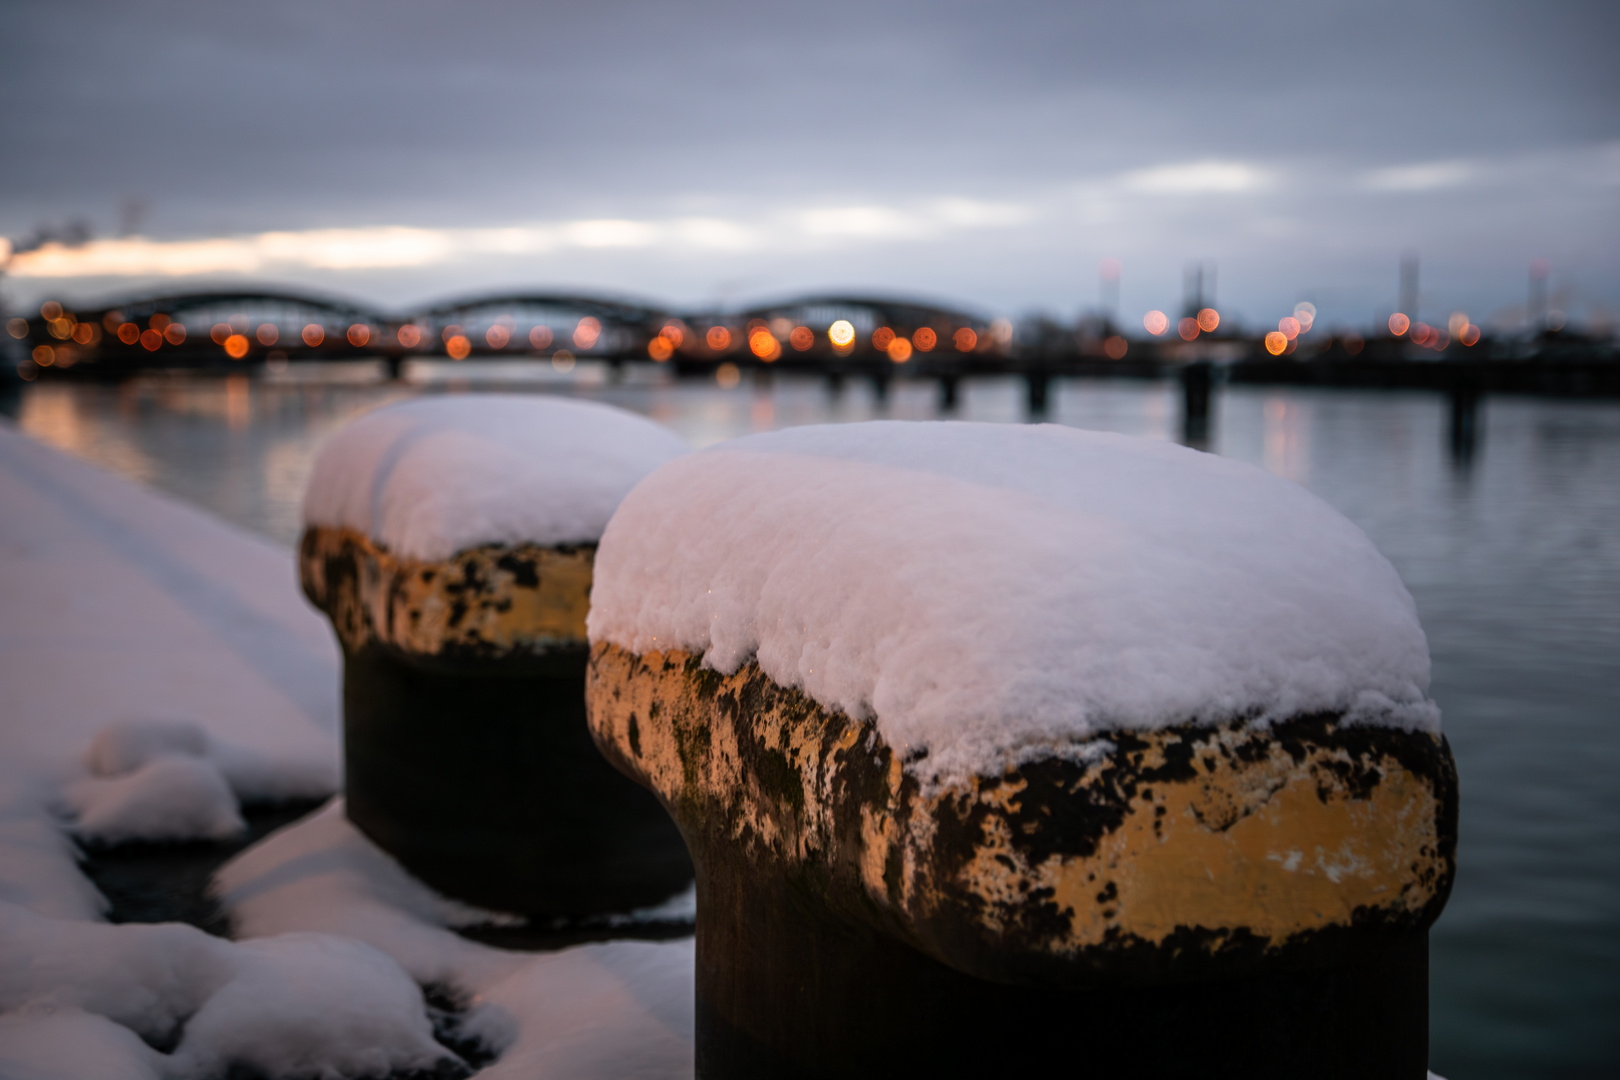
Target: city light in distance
(925, 339)
(718, 339)
(236, 346)
(1276, 342)
(174, 333)
(802, 338)
(1208, 320)
(17, 328)
(129, 333)
(1187, 328)
(409, 336)
(540, 337)
(899, 349)
(1289, 327)
(313, 334)
(216, 333)
(359, 334)
(267, 333)
(763, 344)
(660, 348)
(151, 340)
(841, 333)
(1116, 347)
(673, 332)
(496, 336)
(1399, 324)
(1305, 314)
(1156, 323)
(881, 337)
(458, 347)
(586, 333)
(967, 339)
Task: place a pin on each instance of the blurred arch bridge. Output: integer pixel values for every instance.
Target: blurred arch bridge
(224, 328)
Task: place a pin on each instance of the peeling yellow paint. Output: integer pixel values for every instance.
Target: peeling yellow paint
(1224, 830)
(505, 598)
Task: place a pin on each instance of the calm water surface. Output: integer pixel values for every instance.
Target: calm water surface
(1514, 560)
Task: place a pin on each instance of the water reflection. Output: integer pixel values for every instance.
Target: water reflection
(1514, 563)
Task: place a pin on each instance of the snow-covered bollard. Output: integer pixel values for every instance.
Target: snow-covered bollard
(999, 746)
(451, 541)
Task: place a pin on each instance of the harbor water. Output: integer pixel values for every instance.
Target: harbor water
(1512, 553)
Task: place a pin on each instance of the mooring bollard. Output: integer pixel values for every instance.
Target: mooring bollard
(1003, 747)
(451, 542)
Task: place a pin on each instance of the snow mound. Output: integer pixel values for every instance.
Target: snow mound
(429, 478)
(297, 1005)
(167, 798)
(616, 1009)
(983, 589)
(172, 780)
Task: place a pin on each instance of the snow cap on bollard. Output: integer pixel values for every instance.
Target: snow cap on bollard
(451, 541)
(1045, 709)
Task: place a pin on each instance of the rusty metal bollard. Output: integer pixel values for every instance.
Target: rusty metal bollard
(467, 756)
(1076, 868)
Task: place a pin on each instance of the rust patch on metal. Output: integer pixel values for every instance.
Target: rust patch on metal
(492, 600)
(1188, 851)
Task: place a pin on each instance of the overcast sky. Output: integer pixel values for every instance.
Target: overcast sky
(988, 153)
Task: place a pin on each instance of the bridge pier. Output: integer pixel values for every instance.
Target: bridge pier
(395, 365)
(880, 387)
(948, 386)
(1037, 385)
(1196, 380)
(1464, 392)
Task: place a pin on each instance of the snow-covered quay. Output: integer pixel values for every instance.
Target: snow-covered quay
(160, 670)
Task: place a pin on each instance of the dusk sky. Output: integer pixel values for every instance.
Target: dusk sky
(990, 154)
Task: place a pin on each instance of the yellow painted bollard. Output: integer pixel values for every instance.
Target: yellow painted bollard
(451, 543)
(951, 810)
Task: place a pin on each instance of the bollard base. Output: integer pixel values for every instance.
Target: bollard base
(785, 991)
(489, 788)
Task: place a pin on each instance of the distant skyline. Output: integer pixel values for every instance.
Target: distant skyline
(723, 153)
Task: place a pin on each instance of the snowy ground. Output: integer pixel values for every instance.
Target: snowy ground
(160, 669)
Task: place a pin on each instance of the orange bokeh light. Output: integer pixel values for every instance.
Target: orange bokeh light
(966, 339)
(764, 345)
(236, 346)
(719, 338)
(1208, 320)
(1399, 324)
(175, 333)
(359, 334)
(1289, 327)
(267, 334)
(899, 350)
(1187, 328)
(159, 322)
(313, 334)
(449, 332)
(50, 309)
(541, 337)
(586, 333)
(83, 333)
(44, 355)
(129, 333)
(1421, 332)
(1469, 335)
(1116, 347)
(802, 338)
(1276, 342)
(409, 335)
(1156, 322)
(925, 339)
(660, 348)
(497, 336)
(151, 339)
(458, 347)
(881, 338)
(219, 332)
